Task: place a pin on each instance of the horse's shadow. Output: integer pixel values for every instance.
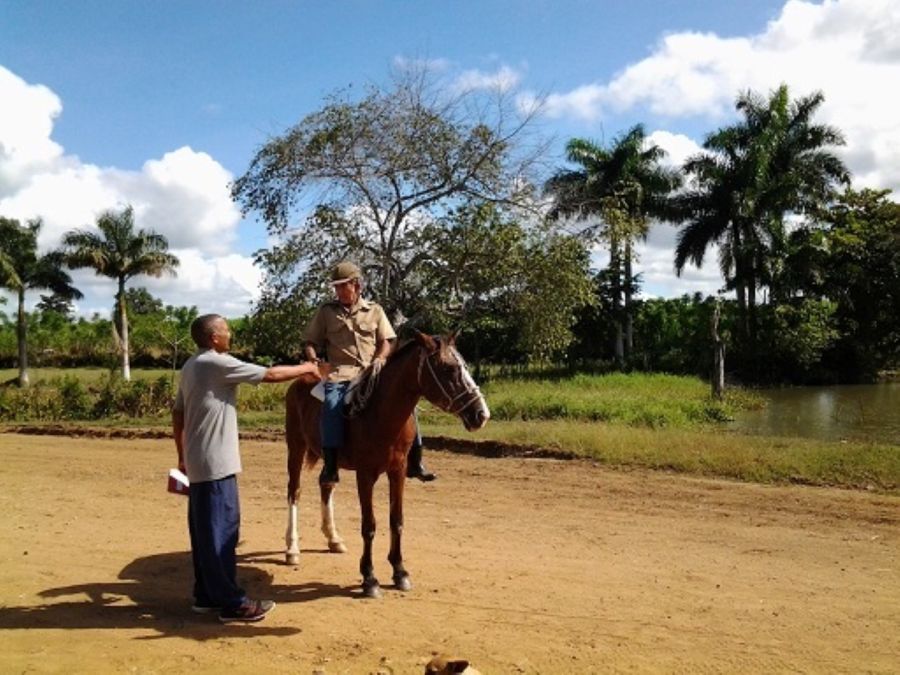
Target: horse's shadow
(154, 593)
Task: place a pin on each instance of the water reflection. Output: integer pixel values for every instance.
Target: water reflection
(869, 412)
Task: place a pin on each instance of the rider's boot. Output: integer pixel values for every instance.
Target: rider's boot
(329, 475)
(414, 466)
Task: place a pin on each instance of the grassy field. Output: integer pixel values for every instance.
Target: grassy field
(658, 422)
(707, 452)
(636, 399)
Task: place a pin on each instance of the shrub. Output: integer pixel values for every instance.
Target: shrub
(74, 399)
(138, 398)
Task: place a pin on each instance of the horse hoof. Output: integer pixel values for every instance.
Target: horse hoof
(336, 547)
(372, 590)
(292, 559)
(402, 583)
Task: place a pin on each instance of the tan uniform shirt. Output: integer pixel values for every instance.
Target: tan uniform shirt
(349, 336)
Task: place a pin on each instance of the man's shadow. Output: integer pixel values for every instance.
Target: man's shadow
(154, 593)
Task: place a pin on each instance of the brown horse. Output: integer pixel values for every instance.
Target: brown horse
(377, 441)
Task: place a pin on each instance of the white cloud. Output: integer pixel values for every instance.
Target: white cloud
(503, 79)
(678, 147)
(849, 49)
(183, 195)
(583, 103)
(225, 284)
(26, 121)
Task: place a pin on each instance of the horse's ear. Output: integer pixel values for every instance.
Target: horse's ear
(425, 340)
(451, 339)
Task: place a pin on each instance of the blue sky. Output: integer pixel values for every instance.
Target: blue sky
(161, 103)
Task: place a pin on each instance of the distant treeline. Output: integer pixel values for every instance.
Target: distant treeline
(800, 342)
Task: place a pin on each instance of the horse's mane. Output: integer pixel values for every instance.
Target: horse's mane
(364, 385)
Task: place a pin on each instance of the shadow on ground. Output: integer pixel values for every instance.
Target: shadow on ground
(153, 594)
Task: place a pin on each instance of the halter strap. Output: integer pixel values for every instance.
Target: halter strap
(473, 392)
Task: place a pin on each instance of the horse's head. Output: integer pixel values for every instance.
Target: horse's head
(446, 382)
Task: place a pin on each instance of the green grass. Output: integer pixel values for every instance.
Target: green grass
(714, 453)
(648, 421)
(634, 399)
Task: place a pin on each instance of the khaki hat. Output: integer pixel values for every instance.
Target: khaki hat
(344, 272)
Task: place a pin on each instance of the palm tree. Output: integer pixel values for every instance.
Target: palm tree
(120, 253)
(753, 174)
(617, 191)
(23, 269)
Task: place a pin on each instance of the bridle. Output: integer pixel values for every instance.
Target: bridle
(455, 405)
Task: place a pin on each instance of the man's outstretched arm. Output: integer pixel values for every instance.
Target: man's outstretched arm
(285, 373)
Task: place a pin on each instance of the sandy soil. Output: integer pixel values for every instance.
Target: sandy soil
(522, 566)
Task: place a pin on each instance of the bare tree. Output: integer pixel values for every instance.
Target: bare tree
(371, 179)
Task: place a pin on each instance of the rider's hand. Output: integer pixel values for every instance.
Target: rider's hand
(377, 364)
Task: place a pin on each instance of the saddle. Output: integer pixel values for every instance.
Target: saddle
(359, 393)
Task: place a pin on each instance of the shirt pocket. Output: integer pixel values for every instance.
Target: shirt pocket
(367, 329)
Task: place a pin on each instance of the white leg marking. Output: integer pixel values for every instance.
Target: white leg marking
(335, 542)
(292, 536)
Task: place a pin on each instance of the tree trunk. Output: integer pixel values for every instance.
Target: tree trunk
(123, 318)
(615, 266)
(718, 373)
(742, 309)
(629, 289)
(751, 309)
(22, 338)
(741, 272)
(753, 330)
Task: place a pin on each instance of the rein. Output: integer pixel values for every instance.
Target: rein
(360, 392)
(472, 391)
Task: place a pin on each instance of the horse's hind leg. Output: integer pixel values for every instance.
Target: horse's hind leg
(395, 557)
(335, 542)
(364, 486)
(292, 534)
(296, 451)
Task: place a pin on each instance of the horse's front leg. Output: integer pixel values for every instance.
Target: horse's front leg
(365, 484)
(395, 557)
(335, 542)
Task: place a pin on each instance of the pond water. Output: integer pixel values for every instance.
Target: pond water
(867, 412)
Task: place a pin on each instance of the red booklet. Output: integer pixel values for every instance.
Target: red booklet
(178, 482)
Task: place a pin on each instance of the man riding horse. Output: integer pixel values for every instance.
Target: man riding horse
(354, 333)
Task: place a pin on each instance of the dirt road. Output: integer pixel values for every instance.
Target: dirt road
(522, 566)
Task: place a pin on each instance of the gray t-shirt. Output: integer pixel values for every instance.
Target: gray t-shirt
(207, 394)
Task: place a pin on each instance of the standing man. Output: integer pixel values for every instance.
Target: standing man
(354, 333)
(204, 422)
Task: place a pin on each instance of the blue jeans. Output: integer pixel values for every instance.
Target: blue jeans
(214, 519)
(331, 422)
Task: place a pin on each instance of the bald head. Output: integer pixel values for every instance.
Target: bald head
(204, 327)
